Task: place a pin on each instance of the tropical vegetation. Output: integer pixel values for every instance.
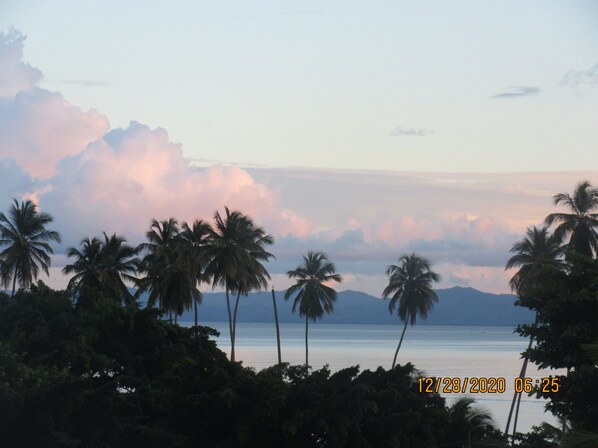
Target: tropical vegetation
(94, 373)
(557, 280)
(90, 367)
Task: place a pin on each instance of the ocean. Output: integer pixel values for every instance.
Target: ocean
(440, 351)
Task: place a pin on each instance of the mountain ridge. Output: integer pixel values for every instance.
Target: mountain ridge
(456, 306)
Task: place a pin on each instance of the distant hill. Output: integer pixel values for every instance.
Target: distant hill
(456, 306)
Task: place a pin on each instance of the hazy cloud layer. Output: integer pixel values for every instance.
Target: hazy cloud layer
(465, 223)
(517, 92)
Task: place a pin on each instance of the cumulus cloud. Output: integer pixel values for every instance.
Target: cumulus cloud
(93, 179)
(517, 92)
(581, 77)
(15, 75)
(411, 132)
(38, 127)
(133, 175)
(15, 182)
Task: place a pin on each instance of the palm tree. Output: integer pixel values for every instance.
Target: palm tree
(410, 284)
(467, 422)
(87, 266)
(314, 297)
(120, 263)
(236, 251)
(195, 239)
(581, 224)
(159, 265)
(24, 233)
(105, 265)
(535, 251)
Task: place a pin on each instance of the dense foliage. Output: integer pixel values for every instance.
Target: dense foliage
(98, 374)
(566, 303)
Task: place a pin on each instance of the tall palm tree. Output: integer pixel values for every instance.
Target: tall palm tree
(314, 296)
(581, 224)
(158, 265)
(195, 239)
(87, 267)
(535, 251)
(236, 251)
(120, 263)
(410, 284)
(26, 238)
(106, 265)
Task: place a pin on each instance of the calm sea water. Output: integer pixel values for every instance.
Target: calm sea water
(441, 351)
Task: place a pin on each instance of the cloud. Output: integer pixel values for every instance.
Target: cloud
(412, 132)
(582, 77)
(93, 179)
(38, 127)
(15, 75)
(15, 182)
(517, 92)
(133, 175)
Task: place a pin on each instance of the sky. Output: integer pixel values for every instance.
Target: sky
(363, 129)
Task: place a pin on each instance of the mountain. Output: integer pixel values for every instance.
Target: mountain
(456, 306)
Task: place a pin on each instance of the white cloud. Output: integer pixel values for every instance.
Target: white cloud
(15, 75)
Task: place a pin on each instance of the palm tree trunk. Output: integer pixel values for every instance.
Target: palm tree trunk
(394, 361)
(170, 316)
(230, 325)
(306, 349)
(14, 284)
(277, 328)
(235, 321)
(517, 415)
(176, 318)
(195, 311)
(517, 395)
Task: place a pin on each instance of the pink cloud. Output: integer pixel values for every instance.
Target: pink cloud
(130, 176)
(400, 231)
(38, 127)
